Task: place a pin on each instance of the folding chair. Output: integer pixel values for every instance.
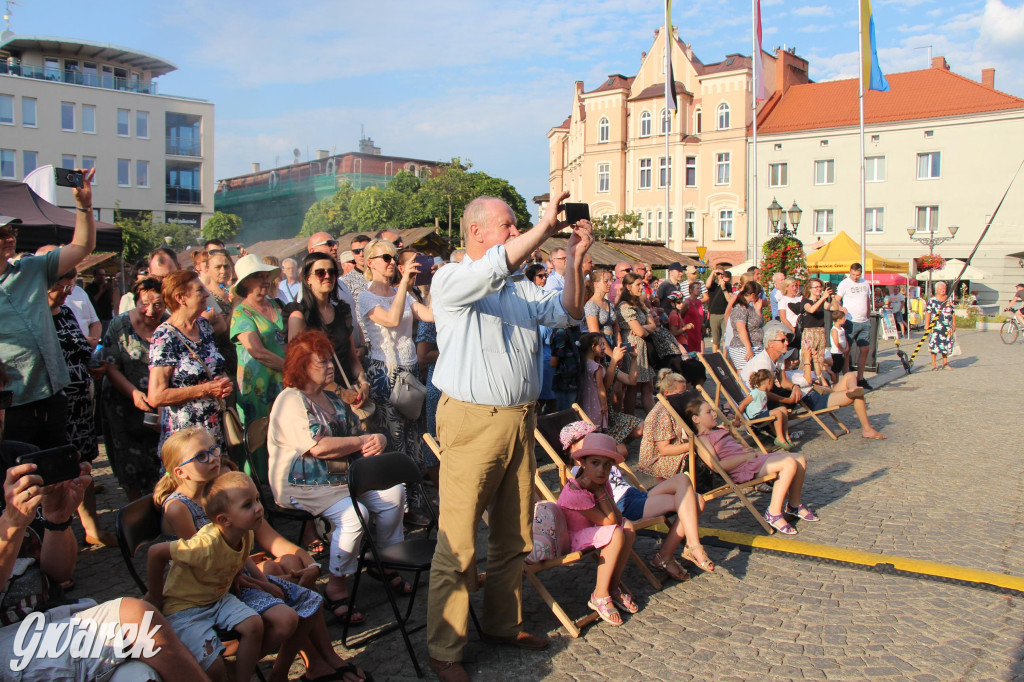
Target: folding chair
(380, 473)
(137, 524)
(674, 405)
(256, 438)
(730, 387)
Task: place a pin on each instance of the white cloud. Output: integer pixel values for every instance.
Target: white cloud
(813, 11)
(1002, 26)
(816, 28)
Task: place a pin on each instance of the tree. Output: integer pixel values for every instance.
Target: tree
(447, 193)
(222, 226)
(330, 215)
(140, 235)
(616, 226)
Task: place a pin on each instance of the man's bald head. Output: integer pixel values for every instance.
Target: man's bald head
(321, 242)
(486, 222)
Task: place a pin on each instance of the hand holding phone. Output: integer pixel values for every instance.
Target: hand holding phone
(67, 177)
(54, 465)
(576, 212)
(426, 273)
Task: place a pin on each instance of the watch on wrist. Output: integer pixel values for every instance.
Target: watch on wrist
(83, 209)
(50, 525)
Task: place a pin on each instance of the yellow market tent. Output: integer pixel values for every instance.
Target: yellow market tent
(839, 254)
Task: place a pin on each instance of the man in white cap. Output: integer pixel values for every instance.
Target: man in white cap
(348, 262)
(692, 275)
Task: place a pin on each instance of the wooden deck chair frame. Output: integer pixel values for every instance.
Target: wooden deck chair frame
(699, 448)
(721, 364)
(574, 626)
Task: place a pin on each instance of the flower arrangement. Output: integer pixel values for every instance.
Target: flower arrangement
(785, 255)
(930, 262)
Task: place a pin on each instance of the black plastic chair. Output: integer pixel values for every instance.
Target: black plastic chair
(381, 472)
(137, 524)
(256, 438)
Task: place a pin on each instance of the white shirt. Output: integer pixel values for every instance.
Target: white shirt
(760, 361)
(82, 307)
(856, 297)
(784, 308)
(289, 292)
(555, 282)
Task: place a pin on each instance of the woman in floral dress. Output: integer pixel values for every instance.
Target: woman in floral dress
(940, 308)
(635, 325)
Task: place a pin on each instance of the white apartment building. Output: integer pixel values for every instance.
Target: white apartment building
(80, 104)
(940, 150)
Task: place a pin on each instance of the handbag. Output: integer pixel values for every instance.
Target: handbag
(368, 408)
(234, 432)
(408, 394)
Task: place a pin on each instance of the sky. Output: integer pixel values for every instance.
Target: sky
(479, 79)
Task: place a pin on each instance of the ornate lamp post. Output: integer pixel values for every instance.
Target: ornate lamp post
(931, 242)
(775, 212)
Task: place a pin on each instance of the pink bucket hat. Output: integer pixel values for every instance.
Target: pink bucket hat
(600, 444)
(573, 432)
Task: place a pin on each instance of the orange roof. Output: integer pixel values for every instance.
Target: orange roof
(929, 93)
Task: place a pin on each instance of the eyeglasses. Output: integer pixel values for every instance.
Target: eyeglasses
(6, 398)
(398, 243)
(330, 243)
(203, 456)
(784, 340)
(217, 252)
(386, 257)
(558, 258)
(357, 251)
(323, 273)
(543, 275)
(8, 232)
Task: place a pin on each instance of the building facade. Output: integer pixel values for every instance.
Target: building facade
(940, 150)
(610, 151)
(273, 203)
(79, 104)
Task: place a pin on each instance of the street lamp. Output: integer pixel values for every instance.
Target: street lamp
(794, 216)
(931, 242)
(775, 212)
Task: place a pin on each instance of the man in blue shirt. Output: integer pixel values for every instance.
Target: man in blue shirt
(488, 317)
(28, 340)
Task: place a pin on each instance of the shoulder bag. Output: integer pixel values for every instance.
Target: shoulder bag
(408, 393)
(368, 408)
(234, 432)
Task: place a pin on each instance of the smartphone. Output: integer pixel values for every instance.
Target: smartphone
(628, 346)
(54, 465)
(426, 273)
(576, 212)
(67, 177)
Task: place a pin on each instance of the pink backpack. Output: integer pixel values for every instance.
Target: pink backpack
(550, 533)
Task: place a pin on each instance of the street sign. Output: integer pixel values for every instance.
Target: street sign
(701, 252)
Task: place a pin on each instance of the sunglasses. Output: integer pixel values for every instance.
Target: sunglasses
(386, 257)
(8, 232)
(203, 456)
(6, 398)
(323, 273)
(329, 243)
(357, 251)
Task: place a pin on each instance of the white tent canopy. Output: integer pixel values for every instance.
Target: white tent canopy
(951, 270)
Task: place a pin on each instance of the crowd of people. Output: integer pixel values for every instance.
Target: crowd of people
(328, 350)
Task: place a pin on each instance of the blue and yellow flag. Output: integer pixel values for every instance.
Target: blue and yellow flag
(871, 76)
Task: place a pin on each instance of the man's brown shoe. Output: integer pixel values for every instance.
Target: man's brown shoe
(523, 640)
(449, 671)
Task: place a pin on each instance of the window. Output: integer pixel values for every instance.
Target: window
(690, 224)
(874, 220)
(650, 221)
(603, 177)
(124, 172)
(723, 116)
(670, 214)
(645, 124)
(691, 171)
(660, 226)
(778, 174)
(927, 218)
(698, 123)
(874, 169)
(664, 172)
(91, 74)
(107, 79)
(824, 222)
(68, 161)
(67, 116)
(645, 173)
(825, 172)
(28, 112)
(929, 165)
(124, 126)
(722, 168)
(88, 118)
(51, 68)
(142, 173)
(7, 109)
(725, 224)
(184, 135)
(7, 164)
(666, 122)
(603, 130)
(30, 160)
(87, 163)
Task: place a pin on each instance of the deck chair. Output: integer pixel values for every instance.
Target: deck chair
(574, 626)
(674, 405)
(256, 438)
(730, 388)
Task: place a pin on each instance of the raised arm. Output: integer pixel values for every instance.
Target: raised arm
(517, 250)
(84, 240)
(574, 294)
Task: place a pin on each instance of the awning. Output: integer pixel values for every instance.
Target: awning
(952, 268)
(43, 223)
(839, 254)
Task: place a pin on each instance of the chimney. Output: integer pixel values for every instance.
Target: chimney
(790, 69)
(322, 154)
(256, 167)
(940, 63)
(988, 78)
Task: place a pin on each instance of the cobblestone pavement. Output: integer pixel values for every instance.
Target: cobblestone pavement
(945, 486)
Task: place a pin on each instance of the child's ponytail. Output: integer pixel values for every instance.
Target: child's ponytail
(172, 454)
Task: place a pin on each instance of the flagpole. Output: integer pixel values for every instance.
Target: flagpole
(752, 210)
(667, 124)
(860, 88)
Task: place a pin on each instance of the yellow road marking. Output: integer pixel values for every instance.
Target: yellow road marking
(855, 556)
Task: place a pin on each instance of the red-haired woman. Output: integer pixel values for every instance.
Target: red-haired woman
(308, 426)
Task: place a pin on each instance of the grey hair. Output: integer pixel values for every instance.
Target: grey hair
(475, 212)
(290, 260)
(772, 330)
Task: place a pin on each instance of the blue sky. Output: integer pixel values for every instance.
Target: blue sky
(480, 79)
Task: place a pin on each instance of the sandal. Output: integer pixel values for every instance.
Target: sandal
(316, 547)
(605, 609)
(624, 601)
(339, 674)
(801, 512)
(779, 523)
(705, 565)
(397, 583)
(783, 444)
(670, 567)
(333, 604)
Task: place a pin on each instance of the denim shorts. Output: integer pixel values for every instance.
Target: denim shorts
(632, 504)
(195, 626)
(860, 333)
(815, 400)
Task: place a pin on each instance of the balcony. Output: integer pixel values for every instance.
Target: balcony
(184, 195)
(105, 81)
(178, 146)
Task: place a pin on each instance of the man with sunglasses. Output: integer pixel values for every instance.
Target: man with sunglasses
(621, 270)
(28, 340)
(355, 280)
(321, 242)
(489, 372)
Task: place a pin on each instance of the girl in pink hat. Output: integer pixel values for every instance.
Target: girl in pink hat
(593, 520)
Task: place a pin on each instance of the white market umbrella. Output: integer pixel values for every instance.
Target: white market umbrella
(951, 270)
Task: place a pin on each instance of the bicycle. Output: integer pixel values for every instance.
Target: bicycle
(1012, 329)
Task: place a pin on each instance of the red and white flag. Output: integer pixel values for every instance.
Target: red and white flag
(758, 64)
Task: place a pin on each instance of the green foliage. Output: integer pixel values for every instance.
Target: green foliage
(616, 226)
(785, 255)
(140, 235)
(222, 226)
(330, 215)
